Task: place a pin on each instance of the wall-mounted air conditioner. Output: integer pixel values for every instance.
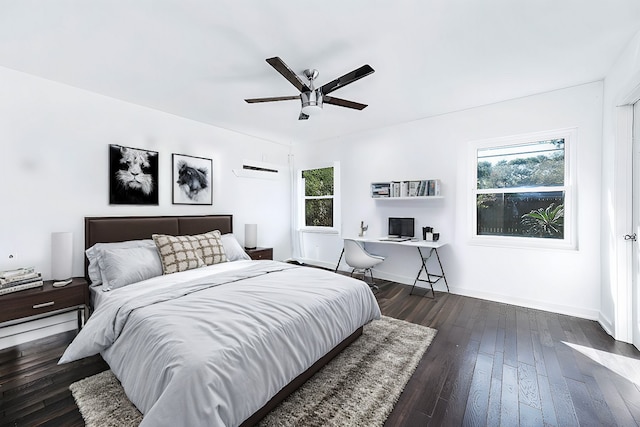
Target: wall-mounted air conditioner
(260, 170)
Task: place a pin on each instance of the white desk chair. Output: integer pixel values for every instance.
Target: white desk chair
(360, 260)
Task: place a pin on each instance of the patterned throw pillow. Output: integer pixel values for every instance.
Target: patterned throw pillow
(181, 253)
(211, 249)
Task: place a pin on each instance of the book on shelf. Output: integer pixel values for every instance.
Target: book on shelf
(434, 187)
(395, 189)
(406, 189)
(413, 188)
(380, 189)
(22, 287)
(32, 278)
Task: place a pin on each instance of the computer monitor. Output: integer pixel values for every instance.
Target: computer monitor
(402, 227)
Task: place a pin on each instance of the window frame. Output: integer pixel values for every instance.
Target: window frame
(569, 188)
(302, 198)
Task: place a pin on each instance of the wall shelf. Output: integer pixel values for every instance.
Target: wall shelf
(421, 189)
(409, 198)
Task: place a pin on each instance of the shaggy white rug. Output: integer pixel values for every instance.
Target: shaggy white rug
(358, 388)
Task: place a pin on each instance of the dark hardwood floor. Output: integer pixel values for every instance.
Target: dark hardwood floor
(494, 364)
(490, 364)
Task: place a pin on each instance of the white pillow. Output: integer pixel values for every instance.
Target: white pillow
(232, 248)
(123, 266)
(95, 251)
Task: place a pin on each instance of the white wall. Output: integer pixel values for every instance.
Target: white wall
(54, 169)
(566, 281)
(53, 164)
(620, 82)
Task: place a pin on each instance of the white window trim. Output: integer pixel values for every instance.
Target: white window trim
(336, 201)
(570, 241)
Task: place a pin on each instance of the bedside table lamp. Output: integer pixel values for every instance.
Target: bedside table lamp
(61, 255)
(250, 236)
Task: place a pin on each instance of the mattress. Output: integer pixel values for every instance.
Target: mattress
(209, 347)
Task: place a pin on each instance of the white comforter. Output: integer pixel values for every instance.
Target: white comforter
(209, 347)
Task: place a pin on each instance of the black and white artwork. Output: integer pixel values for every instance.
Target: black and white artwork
(133, 176)
(192, 180)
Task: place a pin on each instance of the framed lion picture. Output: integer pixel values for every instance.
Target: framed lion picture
(133, 176)
(192, 180)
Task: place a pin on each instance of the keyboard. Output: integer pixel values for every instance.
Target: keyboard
(395, 239)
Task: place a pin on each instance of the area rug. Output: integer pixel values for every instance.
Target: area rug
(358, 388)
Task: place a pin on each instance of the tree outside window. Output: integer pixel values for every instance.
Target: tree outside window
(318, 197)
(521, 189)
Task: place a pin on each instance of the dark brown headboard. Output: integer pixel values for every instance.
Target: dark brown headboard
(121, 228)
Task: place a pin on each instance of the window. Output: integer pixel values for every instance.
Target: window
(319, 188)
(522, 190)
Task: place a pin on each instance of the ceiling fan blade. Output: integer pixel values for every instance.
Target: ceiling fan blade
(351, 77)
(303, 116)
(273, 98)
(287, 73)
(343, 103)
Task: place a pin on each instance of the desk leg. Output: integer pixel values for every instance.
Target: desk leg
(430, 276)
(442, 270)
(339, 259)
(423, 267)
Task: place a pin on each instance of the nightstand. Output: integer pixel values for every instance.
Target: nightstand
(45, 301)
(260, 253)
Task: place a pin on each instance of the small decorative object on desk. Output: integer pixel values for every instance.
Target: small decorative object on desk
(363, 229)
(19, 280)
(429, 235)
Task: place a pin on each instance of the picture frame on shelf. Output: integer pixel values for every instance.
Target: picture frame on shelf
(133, 176)
(192, 180)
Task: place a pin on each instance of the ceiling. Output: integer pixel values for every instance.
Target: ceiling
(200, 59)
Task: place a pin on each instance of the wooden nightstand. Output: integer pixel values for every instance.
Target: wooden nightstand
(260, 253)
(46, 301)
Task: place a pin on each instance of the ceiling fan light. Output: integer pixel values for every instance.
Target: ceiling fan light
(311, 102)
(311, 109)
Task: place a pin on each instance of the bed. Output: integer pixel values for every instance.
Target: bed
(216, 345)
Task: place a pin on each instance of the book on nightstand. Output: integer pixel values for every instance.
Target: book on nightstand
(23, 287)
(8, 275)
(19, 280)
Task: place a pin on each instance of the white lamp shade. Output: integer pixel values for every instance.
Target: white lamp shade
(250, 236)
(61, 255)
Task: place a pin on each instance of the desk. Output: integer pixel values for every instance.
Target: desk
(432, 248)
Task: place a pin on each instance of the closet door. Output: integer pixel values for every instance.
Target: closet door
(635, 300)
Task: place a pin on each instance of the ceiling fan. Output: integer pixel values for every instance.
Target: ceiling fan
(312, 98)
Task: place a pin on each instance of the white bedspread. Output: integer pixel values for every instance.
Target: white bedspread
(209, 347)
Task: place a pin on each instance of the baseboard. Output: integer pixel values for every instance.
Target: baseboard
(606, 324)
(36, 329)
(405, 280)
(507, 299)
(537, 305)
